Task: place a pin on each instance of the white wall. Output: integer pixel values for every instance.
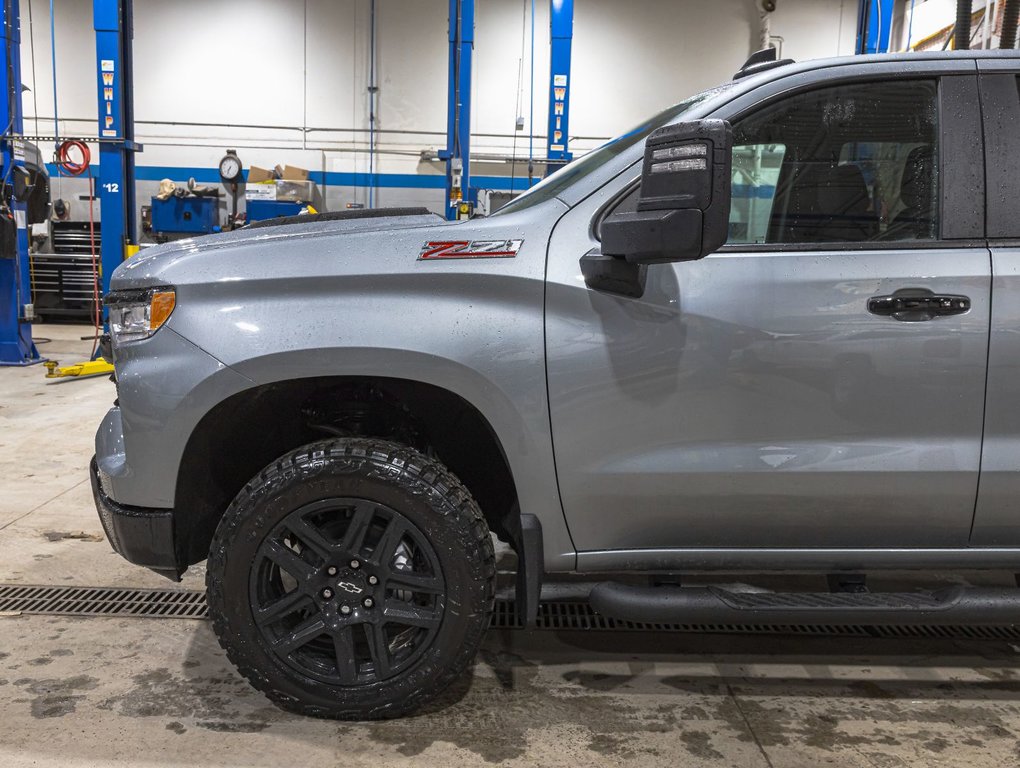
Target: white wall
(284, 81)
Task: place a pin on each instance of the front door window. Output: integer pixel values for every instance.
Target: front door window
(846, 164)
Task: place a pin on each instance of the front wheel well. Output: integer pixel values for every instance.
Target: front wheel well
(245, 432)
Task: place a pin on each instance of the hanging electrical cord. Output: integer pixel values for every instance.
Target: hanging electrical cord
(910, 28)
(53, 70)
(95, 267)
(68, 166)
(531, 109)
(31, 54)
(456, 105)
(520, 94)
(53, 64)
(878, 37)
(35, 117)
(372, 89)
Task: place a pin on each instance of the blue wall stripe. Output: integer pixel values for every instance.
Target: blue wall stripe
(328, 178)
(762, 192)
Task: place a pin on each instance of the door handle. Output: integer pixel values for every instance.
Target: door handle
(912, 305)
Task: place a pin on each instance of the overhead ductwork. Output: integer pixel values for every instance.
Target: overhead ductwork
(961, 37)
(1010, 14)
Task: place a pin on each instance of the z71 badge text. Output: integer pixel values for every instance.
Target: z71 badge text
(469, 249)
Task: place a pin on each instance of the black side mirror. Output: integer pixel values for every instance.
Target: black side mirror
(683, 206)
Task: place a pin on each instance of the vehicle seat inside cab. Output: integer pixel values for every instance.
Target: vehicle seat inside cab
(828, 202)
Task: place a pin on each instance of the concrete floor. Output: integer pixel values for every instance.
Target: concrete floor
(148, 692)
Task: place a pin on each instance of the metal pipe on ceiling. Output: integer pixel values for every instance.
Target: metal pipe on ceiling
(1010, 15)
(961, 37)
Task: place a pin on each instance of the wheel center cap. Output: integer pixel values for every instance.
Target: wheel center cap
(351, 584)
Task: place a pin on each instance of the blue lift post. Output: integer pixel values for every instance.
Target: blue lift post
(458, 121)
(16, 345)
(561, 33)
(112, 20)
(874, 26)
(113, 24)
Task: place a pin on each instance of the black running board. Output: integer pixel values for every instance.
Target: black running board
(712, 605)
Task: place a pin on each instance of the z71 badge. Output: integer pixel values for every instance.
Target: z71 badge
(469, 249)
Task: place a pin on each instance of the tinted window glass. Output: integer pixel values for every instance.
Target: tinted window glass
(755, 177)
(851, 163)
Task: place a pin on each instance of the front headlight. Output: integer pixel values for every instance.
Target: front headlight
(137, 315)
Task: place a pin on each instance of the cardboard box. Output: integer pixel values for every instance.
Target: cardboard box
(291, 173)
(257, 175)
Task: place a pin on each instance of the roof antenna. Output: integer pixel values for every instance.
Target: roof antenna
(759, 61)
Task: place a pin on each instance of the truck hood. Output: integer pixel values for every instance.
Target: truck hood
(197, 257)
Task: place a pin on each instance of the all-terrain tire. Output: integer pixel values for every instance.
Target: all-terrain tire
(398, 478)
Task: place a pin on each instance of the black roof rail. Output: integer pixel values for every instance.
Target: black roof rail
(760, 61)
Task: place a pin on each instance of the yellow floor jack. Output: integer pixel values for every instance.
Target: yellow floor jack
(98, 367)
(94, 367)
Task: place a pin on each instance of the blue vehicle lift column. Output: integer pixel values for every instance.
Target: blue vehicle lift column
(874, 26)
(561, 29)
(113, 24)
(458, 122)
(16, 345)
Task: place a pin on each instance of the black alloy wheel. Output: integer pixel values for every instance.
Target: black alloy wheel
(352, 578)
(347, 591)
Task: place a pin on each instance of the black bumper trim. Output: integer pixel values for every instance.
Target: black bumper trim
(140, 535)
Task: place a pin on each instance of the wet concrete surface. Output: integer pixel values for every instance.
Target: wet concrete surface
(160, 692)
(155, 692)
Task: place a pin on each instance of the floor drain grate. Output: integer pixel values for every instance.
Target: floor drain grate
(559, 615)
(103, 601)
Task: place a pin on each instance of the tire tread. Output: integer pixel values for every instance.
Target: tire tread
(449, 497)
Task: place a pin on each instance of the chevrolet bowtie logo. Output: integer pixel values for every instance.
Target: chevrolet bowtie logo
(346, 586)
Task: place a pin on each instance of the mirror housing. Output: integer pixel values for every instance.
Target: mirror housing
(683, 207)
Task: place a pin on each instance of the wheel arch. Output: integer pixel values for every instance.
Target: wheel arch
(244, 432)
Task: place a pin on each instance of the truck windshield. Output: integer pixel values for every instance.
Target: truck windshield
(573, 172)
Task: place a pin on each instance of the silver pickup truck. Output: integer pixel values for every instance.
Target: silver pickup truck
(775, 328)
